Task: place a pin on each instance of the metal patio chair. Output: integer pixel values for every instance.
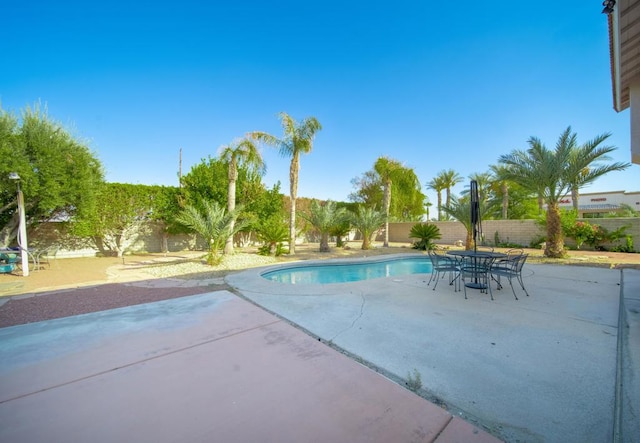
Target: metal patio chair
(441, 264)
(475, 273)
(510, 268)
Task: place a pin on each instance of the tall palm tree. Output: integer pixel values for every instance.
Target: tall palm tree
(325, 218)
(546, 173)
(450, 178)
(438, 185)
(585, 164)
(499, 173)
(387, 169)
(297, 139)
(483, 179)
(367, 221)
(239, 153)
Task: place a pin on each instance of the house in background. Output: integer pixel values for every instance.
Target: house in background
(600, 204)
(624, 43)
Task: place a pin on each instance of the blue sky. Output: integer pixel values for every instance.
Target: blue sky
(435, 85)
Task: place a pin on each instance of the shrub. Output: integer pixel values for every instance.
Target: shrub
(426, 233)
(272, 232)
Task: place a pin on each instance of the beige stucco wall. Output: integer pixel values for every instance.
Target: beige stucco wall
(521, 232)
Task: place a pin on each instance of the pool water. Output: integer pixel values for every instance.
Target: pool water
(349, 272)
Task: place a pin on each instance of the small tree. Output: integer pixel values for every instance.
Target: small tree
(367, 221)
(325, 218)
(460, 209)
(272, 232)
(59, 175)
(214, 224)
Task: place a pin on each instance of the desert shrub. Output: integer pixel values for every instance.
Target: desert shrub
(425, 233)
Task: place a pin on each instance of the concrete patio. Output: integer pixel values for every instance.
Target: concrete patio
(216, 367)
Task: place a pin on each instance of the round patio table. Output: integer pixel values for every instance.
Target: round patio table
(473, 255)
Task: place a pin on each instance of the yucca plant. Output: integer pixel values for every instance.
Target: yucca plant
(425, 233)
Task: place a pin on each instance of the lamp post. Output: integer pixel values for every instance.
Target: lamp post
(22, 228)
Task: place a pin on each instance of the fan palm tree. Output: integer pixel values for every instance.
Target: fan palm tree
(214, 225)
(325, 218)
(438, 185)
(297, 139)
(367, 221)
(585, 164)
(387, 169)
(239, 153)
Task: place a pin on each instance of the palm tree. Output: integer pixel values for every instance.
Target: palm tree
(499, 180)
(387, 169)
(460, 209)
(297, 139)
(483, 179)
(585, 166)
(546, 173)
(238, 153)
(367, 221)
(325, 218)
(450, 178)
(214, 225)
(438, 185)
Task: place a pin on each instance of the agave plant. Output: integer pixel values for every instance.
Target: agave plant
(426, 233)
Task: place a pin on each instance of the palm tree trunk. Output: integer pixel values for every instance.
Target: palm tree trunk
(555, 238)
(439, 205)
(540, 204)
(468, 245)
(366, 236)
(324, 242)
(293, 192)
(387, 206)
(231, 204)
(574, 197)
(505, 201)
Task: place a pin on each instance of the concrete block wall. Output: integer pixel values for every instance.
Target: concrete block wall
(520, 232)
(151, 238)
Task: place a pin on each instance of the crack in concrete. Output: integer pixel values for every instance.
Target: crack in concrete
(353, 323)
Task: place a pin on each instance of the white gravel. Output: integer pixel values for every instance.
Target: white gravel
(186, 269)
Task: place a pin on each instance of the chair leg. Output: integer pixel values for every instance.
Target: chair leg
(514, 291)
(522, 284)
(436, 280)
(487, 279)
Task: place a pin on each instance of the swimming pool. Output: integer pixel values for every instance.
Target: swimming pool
(328, 273)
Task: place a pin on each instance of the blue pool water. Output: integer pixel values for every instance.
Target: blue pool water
(349, 272)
